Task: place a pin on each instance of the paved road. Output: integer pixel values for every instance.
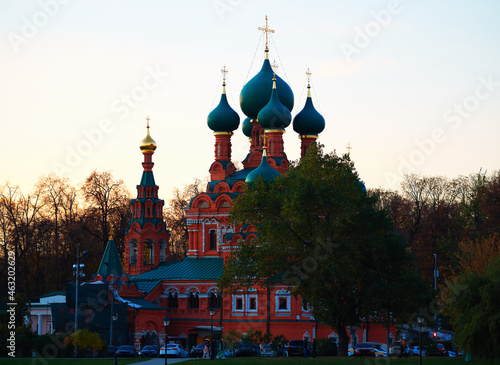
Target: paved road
(161, 361)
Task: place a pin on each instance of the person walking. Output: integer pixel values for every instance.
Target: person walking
(305, 347)
(206, 350)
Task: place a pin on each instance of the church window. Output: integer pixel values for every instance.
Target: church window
(218, 149)
(193, 301)
(173, 301)
(148, 253)
(133, 253)
(238, 301)
(252, 303)
(213, 239)
(215, 301)
(271, 147)
(283, 301)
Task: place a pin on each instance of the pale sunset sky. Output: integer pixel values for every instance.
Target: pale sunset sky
(412, 86)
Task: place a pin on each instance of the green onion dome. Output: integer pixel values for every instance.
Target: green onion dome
(256, 92)
(274, 115)
(247, 127)
(264, 170)
(308, 121)
(223, 118)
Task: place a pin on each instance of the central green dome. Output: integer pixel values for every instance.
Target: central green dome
(257, 92)
(264, 170)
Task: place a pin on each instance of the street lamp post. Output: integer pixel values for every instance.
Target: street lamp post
(211, 311)
(166, 322)
(115, 318)
(420, 320)
(77, 272)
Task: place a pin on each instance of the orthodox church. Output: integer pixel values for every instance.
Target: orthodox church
(151, 286)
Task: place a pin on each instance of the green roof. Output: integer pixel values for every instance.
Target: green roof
(110, 263)
(206, 268)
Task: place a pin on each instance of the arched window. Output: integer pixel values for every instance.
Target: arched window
(173, 302)
(193, 301)
(133, 253)
(213, 239)
(148, 253)
(215, 301)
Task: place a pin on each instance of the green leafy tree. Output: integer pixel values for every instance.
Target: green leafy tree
(320, 233)
(473, 302)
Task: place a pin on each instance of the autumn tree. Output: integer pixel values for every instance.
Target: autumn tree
(175, 218)
(107, 206)
(320, 233)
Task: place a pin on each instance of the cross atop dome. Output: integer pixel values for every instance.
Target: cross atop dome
(308, 73)
(266, 30)
(274, 66)
(224, 73)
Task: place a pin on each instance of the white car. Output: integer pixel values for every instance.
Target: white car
(174, 350)
(416, 351)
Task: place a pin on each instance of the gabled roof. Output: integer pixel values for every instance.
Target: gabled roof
(205, 268)
(110, 262)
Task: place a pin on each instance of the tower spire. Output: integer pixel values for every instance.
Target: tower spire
(266, 30)
(349, 148)
(308, 73)
(224, 73)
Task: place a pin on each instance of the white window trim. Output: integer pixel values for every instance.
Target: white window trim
(288, 303)
(242, 297)
(256, 297)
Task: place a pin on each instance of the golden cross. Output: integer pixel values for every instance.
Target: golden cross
(349, 148)
(308, 73)
(267, 30)
(274, 65)
(224, 73)
(148, 120)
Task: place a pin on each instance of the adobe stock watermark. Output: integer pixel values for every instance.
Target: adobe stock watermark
(121, 107)
(31, 26)
(364, 36)
(453, 118)
(221, 7)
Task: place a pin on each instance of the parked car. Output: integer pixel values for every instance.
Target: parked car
(174, 350)
(379, 351)
(436, 349)
(416, 351)
(197, 351)
(296, 348)
(149, 351)
(364, 349)
(245, 349)
(268, 350)
(126, 351)
(395, 349)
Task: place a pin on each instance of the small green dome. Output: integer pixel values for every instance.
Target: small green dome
(274, 115)
(264, 170)
(247, 127)
(308, 120)
(223, 118)
(256, 92)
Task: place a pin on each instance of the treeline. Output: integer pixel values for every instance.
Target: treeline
(456, 219)
(43, 228)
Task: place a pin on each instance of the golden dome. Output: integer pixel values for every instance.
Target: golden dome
(148, 144)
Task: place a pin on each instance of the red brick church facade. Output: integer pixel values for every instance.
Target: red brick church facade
(185, 290)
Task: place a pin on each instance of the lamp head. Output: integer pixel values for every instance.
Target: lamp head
(166, 321)
(115, 317)
(420, 318)
(212, 311)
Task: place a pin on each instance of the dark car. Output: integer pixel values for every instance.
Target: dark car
(149, 351)
(364, 349)
(126, 351)
(197, 351)
(296, 348)
(436, 349)
(245, 349)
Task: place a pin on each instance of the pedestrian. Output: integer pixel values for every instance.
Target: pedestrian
(206, 350)
(305, 347)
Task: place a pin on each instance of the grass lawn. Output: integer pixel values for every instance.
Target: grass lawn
(42, 361)
(345, 361)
